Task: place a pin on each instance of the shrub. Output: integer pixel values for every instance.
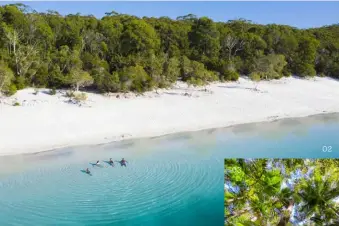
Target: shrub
(20, 82)
(79, 78)
(194, 82)
(36, 91)
(270, 66)
(40, 79)
(228, 71)
(80, 97)
(11, 90)
(305, 70)
(16, 104)
(334, 70)
(105, 81)
(6, 76)
(56, 78)
(53, 91)
(286, 72)
(230, 75)
(211, 76)
(69, 94)
(134, 78)
(255, 77)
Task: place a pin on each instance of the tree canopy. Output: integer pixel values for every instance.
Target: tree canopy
(45, 49)
(281, 192)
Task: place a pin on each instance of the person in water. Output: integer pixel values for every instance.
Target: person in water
(98, 163)
(111, 162)
(87, 171)
(123, 162)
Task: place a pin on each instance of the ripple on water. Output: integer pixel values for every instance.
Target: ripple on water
(153, 186)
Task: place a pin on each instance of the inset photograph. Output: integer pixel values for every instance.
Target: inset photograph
(281, 192)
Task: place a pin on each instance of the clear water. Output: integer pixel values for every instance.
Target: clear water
(170, 180)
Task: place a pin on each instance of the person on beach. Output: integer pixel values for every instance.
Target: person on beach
(123, 162)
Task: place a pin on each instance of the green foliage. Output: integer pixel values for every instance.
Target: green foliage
(16, 104)
(40, 79)
(56, 78)
(255, 77)
(195, 73)
(52, 91)
(20, 82)
(80, 97)
(266, 191)
(231, 75)
(270, 66)
(334, 70)
(204, 39)
(6, 76)
(134, 78)
(70, 94)
(155, 68)
(79, 78)
(11, 90)
(304, 69)
(228, 73)
(172, 69)
(139, 37)
(106, 82)
(50, 50)
(305, 63)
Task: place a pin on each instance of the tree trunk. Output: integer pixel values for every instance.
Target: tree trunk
(283, 221)
(285, 218)
(16, 56)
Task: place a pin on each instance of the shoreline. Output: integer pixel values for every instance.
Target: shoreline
(133, 139)
(60, 117)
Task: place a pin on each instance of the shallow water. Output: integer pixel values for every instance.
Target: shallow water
(170, 180)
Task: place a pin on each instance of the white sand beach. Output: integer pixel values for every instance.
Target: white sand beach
(43, 122)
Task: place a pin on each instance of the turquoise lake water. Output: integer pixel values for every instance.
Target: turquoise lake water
(169, 180)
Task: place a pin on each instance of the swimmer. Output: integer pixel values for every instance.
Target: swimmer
(123, 162)
(111, 162)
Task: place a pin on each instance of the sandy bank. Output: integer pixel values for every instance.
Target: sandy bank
(45, 122)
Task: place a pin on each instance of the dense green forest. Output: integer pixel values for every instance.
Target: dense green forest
(124, 53)
(281, 192)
